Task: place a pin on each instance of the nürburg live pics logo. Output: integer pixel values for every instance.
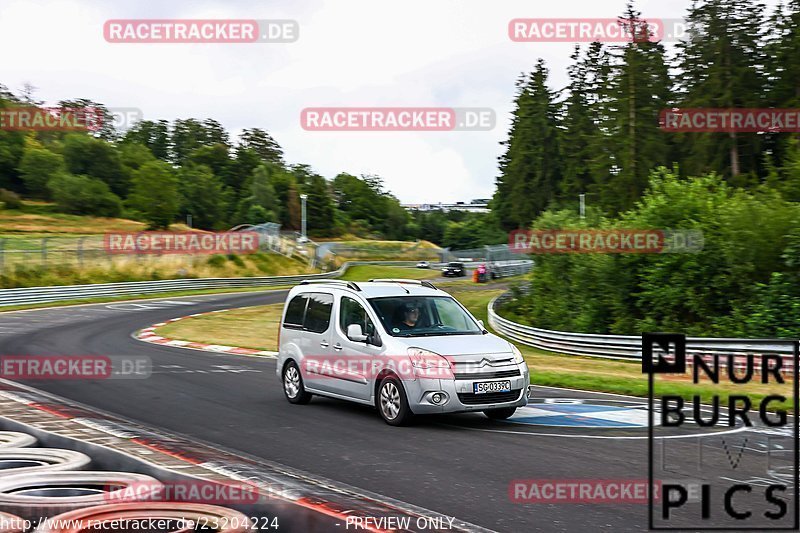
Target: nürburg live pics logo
(722, 433)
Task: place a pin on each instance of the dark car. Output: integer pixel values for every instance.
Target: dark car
(454, 269)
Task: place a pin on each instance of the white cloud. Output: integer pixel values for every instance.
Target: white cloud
(350, 53)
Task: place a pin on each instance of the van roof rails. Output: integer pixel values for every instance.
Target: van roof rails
(422, 282)
(348, 284)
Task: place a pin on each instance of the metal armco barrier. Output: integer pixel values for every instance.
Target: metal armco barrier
(503, 269)
(62, 293)
(630, 347)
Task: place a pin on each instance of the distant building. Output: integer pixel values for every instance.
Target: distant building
(475, 206)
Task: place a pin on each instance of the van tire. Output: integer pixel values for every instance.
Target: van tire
(293, 387)
(500, 414)
(392, 403)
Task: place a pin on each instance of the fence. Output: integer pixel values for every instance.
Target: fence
(488, 254)
(46, 252)
(629, 347)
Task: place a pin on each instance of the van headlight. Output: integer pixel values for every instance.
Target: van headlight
(517, 354)
(425, 359)
(427, 364)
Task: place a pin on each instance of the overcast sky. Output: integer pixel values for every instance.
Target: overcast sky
(355, 53)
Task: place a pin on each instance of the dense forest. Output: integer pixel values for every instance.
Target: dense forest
(600, 136)
(160, 172)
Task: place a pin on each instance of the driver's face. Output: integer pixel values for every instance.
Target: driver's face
(412, 315)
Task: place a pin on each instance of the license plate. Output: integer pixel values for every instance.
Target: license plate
(491, 386)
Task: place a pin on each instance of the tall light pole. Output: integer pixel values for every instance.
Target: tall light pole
(303, 198)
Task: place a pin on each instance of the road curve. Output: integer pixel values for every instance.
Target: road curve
(457, 465)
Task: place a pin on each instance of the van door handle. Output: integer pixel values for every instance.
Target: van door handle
(337, 346)
(324, 344)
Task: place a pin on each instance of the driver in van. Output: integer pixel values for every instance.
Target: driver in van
(410, 316)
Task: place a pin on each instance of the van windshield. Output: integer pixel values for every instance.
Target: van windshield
(424, 316)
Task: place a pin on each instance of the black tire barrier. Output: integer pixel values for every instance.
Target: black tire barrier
(127, 518)
(33, 460)
(13, 439)
(11, 524)
(33, 496)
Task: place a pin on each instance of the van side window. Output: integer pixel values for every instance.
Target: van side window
(318, 315)
(353, 313)
(295, 312)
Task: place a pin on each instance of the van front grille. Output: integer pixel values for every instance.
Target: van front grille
(488, 375)
(489, 397)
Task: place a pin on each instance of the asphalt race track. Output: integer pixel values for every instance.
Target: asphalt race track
(459, 465)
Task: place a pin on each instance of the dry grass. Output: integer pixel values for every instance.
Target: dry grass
(127, 268)
(41, 219)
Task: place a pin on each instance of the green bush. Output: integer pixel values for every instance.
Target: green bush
(743, 283)
(236, 260)
(82, 195)
(216, 261)
(10, 199)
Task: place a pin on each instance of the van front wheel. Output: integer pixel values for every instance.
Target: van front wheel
(293, 385)
(392, 402)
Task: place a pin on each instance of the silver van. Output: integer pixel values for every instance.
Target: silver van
(403, 346)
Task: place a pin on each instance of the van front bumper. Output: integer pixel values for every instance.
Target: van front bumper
(460, 397)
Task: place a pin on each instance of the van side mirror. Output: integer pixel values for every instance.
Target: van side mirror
(480, 323)
(355, 333)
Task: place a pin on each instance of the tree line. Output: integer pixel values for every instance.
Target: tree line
(161, 172)
(600, 135)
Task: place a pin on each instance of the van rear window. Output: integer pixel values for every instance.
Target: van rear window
(318, 316)
(309, 311)
(296, 311)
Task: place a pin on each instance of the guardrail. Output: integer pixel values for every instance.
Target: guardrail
(625, 346)
(60, 293)
(503, 269)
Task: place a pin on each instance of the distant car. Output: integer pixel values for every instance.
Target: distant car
(454, 269)
(423, 264)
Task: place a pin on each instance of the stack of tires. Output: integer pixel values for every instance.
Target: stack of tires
(54, 491)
